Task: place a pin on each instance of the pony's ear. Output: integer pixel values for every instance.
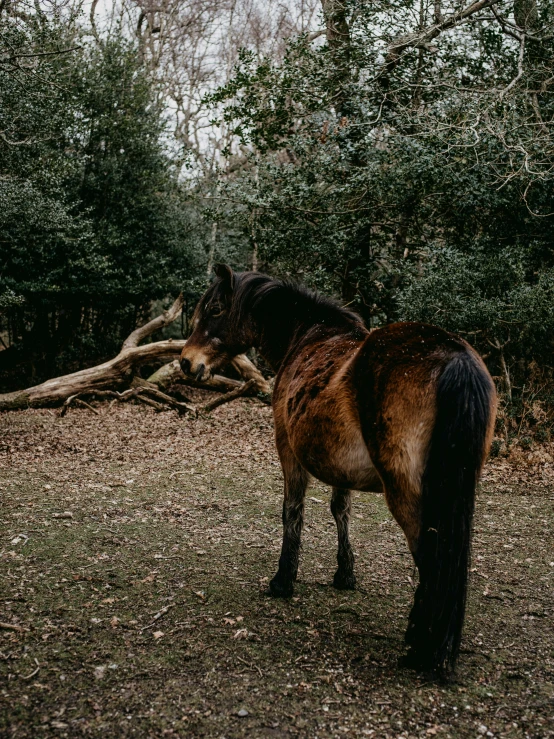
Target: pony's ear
(225, 273)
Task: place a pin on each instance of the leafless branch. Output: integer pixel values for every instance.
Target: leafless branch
(423, 37)
(516, 79)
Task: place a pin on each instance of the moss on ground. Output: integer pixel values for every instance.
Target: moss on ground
(136, 576)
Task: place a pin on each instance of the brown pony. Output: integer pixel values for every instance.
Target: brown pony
(407, 410)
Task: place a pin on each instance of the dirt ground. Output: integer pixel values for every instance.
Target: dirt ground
(135, 550)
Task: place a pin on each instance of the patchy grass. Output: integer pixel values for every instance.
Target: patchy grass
(136, 548)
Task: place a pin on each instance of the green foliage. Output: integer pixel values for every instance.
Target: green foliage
(93, 221)
(418, 191)
(486, 296)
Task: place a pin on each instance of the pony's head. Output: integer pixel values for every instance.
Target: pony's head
(219, 332)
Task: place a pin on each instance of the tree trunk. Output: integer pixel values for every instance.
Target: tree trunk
(115, 373)
(338, 40)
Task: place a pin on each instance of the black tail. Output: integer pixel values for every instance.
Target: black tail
(465, 397)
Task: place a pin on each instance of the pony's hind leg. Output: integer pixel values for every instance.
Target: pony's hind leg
(404, 502)
(296, 482)
(344, 578)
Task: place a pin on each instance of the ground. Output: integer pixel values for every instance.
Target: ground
(135, 551)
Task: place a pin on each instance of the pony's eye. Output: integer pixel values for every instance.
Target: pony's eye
(216, 310)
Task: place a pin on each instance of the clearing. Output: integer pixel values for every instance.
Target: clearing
(136, 547)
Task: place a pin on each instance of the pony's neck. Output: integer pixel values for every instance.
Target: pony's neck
(285, 314)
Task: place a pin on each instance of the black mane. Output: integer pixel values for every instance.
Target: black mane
(255, 292)
(283, 313)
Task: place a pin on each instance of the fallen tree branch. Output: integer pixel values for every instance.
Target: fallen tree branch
(145, 387)
(117, 397)
(118, 374)
(81, 402)
(171, 373)
(249, 371)
(167, 317)
(141, 390)
(237, 393)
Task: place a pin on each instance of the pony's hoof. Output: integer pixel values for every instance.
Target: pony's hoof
(422, 664)
(411, 661)
(279, 589)
(342, 581)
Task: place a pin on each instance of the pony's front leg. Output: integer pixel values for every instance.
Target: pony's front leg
(296, 482)
(344, 578)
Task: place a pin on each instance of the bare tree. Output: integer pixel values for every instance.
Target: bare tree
(193, 48)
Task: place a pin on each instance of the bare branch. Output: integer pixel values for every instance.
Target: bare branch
(516, 79)
(167, 317)
(92, 20)
(316, 34)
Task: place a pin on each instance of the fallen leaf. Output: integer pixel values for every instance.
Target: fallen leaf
(99, 672)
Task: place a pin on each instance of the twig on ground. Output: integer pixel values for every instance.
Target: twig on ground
(84, 404)
(13, 627)
(141, 392)
(248, 664)
(158, 615)
(150, 402)
(28, 677)
(144, 386)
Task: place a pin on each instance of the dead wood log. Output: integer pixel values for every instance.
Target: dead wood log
(118, 373)
(171, 373)
(167, 317)
(115, 373)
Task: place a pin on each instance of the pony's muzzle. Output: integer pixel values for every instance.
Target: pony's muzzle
(198, 372)
(186, 366)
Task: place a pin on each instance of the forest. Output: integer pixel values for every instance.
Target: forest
(397, 156)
